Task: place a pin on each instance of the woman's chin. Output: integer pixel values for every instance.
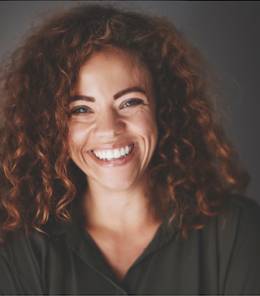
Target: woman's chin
(115, 184)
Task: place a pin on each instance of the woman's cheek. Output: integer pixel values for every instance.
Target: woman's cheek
(145, 120)
(78, 133)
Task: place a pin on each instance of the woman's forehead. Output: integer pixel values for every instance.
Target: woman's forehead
(113, 66)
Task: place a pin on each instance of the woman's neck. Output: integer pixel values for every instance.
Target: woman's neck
(117, 211)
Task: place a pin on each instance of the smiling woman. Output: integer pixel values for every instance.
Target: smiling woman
(116, 177)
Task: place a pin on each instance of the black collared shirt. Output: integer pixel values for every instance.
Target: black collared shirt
(222, 258)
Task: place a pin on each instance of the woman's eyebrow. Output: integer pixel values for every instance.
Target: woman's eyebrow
(116, 96)
(129, 90)
(81, 98)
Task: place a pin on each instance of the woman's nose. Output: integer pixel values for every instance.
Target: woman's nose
(109, 124)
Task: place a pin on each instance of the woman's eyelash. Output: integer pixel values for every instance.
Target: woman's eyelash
(131, 102)
(128, 103)
(80, 110)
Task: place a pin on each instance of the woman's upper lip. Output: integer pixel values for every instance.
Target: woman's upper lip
(110, 146)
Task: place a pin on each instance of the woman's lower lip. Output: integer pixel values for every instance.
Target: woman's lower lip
(114, 162)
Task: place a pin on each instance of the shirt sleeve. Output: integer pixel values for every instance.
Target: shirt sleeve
(240, 249)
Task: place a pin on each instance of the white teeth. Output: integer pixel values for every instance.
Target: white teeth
(112, 154)
(109, 154)
(116, 153)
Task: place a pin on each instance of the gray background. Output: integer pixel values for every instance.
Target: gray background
(227, 33)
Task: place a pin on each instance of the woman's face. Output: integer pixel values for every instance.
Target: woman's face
(112, 127)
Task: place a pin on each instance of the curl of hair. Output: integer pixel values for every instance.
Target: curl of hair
(194, 166)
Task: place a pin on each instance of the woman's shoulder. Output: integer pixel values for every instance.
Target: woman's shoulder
(23, 258)
(20, 245)
(22, 241)
(240, 212)
(238, 245)
(231, 245)
(237, 230)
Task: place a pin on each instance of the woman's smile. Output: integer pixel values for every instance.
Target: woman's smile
(113, 157)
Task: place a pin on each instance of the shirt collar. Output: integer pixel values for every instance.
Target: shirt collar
(78, 238)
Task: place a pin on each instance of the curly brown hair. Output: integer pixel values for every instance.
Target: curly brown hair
(194, 167)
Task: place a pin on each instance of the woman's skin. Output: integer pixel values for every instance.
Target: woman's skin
(113, 107)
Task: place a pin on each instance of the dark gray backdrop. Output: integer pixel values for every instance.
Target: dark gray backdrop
(227, 33)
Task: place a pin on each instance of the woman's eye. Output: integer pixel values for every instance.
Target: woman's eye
(131, 102)
(81, 110)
